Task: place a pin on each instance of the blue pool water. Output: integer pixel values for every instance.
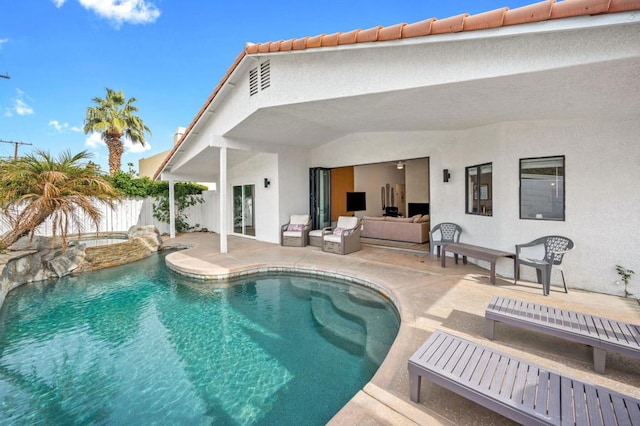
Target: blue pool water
(139, 344)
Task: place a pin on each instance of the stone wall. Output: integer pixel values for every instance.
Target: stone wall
(44, 258)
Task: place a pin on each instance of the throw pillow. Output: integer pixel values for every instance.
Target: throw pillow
(338, 231)
(416, 218)
(424, 218)
(295, 227)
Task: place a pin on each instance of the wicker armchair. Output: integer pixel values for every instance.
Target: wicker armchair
(446, 233)
(296, 232)
(345, 237)
(555, 246)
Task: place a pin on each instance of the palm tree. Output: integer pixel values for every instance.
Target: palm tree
(37, 187)
(114, 117)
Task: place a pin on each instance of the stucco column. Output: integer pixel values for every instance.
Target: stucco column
(223, 200)
(172, 210)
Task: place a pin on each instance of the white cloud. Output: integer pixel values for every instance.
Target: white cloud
(94, 140)
(63, 127)
(136, 148)
(20, 105)
(58, 3)
(3, 41)
(122, 11)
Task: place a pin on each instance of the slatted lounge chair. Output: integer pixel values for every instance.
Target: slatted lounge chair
(517, 389)
(601, 333)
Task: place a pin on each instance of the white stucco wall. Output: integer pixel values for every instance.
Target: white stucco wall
(293, 183)
(602, 203)
(252, 172)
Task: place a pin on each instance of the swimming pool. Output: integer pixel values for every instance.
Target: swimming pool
(138, 343)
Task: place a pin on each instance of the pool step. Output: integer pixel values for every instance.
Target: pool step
(376, 347)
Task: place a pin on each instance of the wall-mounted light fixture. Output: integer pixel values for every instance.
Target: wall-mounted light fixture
(446, 175)
(267, 182)
(400, 165)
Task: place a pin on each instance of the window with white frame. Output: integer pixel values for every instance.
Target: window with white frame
(542, 188)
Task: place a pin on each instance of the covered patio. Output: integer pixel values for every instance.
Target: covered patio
(561, 86)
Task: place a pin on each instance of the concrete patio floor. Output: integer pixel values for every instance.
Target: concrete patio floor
(428, 297)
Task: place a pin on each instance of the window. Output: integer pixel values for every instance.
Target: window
(542, 188)
(480, 190)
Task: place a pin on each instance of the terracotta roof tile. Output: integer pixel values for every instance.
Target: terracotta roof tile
(393, 32)
(530, 13)
(348, 38)
(300, 43)
(330, 39)
(482, 21)
(623, 5)
(418, 29)
(536, 12)
(314, 41)
(286, 45)
(454, 24)
(371, 34)
(566, 9)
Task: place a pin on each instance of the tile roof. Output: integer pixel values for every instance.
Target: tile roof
(536, 12)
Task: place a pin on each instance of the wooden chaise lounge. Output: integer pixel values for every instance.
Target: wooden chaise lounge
(601, 333)
(519, 390)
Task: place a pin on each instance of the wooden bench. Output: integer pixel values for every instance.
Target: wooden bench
(601, 333)
(477, 252)
(514, 388)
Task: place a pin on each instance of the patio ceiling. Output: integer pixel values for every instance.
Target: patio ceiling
(607, 90)
(602, 91)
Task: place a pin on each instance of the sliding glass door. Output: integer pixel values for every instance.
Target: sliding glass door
(244, 210)
(320, 197)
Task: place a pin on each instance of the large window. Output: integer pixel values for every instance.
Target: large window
(480, 190)
(542, 188)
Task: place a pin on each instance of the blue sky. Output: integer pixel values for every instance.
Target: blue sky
(168, 54)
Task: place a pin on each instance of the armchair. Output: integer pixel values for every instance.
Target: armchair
(296, 232)
(446, 232)
(345, 237)
(555, 246)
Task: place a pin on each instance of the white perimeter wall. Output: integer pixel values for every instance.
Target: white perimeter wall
(137, 211)
(602, 202)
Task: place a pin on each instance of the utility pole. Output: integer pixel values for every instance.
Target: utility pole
(16, 145)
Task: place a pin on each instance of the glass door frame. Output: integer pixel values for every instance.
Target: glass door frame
(243, 209)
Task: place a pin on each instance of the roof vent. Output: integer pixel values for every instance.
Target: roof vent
(262, 81)
(253, 81)
(265, 75)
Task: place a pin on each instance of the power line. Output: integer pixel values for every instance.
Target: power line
(16, 145)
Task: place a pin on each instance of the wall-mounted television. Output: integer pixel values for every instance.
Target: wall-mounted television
(356, 201)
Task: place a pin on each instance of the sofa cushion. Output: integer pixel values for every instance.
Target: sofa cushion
(399, 219)
(295, 227)
(379, 218)
(347, 222)
(298, 219)
(296, 234)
